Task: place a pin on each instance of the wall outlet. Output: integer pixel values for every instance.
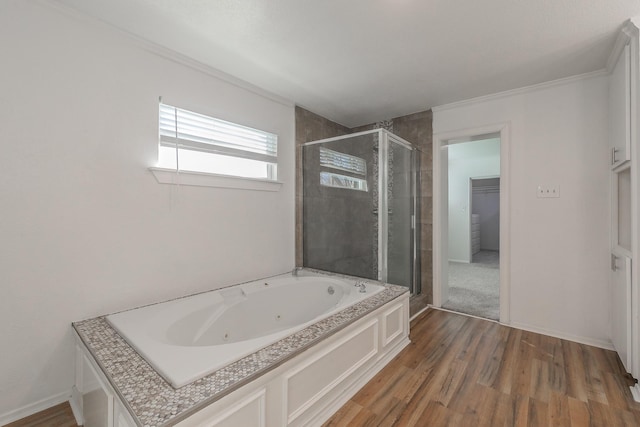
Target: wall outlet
(548, 191)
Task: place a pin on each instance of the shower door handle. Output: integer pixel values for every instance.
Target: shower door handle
(375, 211)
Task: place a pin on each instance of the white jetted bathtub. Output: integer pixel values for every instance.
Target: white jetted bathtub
(188, 338)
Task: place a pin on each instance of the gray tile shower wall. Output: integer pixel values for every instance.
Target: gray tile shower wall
(340, 227)
(309, 127)
(415, 128)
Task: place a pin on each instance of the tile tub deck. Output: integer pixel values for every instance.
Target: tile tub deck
(153, 402)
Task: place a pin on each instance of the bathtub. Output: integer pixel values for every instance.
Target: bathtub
(188, 338)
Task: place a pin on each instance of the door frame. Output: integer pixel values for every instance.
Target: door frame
(633, 29)
(630, 35)
(441, 209)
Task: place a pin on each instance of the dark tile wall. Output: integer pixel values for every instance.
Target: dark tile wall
(415, 128)
(309, 127)
(339, 226)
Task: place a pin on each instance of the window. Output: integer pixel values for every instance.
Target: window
(197, 143)
(344, 162)
(329, 179)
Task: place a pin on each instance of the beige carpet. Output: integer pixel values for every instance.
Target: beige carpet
(475, 288)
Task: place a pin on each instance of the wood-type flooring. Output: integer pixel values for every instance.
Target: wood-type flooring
(463, 371)
(56, 416)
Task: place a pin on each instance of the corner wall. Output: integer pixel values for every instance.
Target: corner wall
(85, 228)
(559, 247)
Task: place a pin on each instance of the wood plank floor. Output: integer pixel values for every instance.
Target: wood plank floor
(462, 371)
(57, 416)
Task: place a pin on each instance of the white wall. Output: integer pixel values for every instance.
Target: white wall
(85, 229)
(559, 247)
(467, 160)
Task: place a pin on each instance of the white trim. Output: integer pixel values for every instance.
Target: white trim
(525, 89)
(440, 221)
(76, 400)
(440, 208)
(467, 315)
(623, 38)
(419, 313)
(35, 407)
(259, 396)
(635, 392)
(202, 179)
(373, 325)
(386, 339)
(505, 224)
(542, 331)
(331, 408)
(167, 53)
(606, 344)
(632, 29)
(76, 404)
(462, 261)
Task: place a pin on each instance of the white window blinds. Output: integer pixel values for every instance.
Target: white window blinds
(342, 161)
(183, 130)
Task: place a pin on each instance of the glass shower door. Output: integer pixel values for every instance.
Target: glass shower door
(359, 207)
(400, 214)
(340, 228)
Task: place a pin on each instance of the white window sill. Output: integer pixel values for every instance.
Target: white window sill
(203, 179)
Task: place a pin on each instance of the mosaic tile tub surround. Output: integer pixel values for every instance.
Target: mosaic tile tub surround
(154, 403)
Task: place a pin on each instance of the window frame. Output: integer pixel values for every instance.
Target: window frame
(197, 132)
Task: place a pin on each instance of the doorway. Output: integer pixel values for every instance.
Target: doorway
(471, 275)
(473, 278)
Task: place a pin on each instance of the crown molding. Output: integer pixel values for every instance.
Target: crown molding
(520, 91)
(629, 30)
(165, 52)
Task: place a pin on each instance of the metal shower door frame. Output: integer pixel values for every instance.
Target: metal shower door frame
(385, 138)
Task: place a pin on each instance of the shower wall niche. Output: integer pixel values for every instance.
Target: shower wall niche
(359, 207)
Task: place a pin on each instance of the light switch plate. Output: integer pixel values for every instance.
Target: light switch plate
(551, 191)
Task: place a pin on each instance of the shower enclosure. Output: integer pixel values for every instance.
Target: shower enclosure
(359, 207)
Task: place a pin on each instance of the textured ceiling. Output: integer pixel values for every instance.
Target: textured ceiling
(360, 61)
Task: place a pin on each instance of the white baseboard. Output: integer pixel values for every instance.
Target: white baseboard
(419, 313)
(467, 314)
(463, 261)
(606, 344)
(33, 408)
(635, 392)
